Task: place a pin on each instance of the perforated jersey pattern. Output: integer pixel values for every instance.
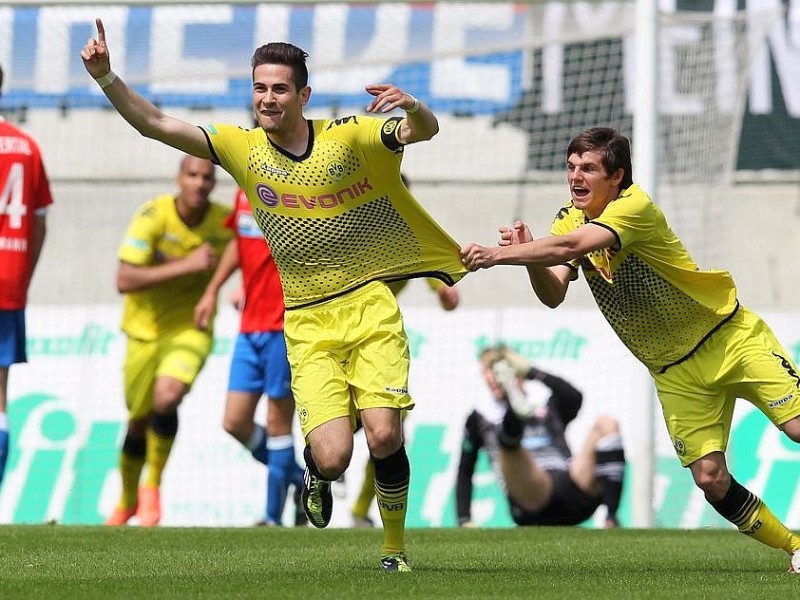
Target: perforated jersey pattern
(335, 253)
(656, 321)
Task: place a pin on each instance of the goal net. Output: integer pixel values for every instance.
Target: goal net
(511, 83)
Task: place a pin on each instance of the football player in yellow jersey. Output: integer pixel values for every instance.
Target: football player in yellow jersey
(328, 196)
(702, 348)
(167, 257)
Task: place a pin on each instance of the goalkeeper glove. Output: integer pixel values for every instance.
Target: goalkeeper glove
(519, 364)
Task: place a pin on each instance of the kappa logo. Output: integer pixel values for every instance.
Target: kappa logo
(396, 390)
(274, 170)
(780, 401)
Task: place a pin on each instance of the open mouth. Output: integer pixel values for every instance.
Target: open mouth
(579, 192)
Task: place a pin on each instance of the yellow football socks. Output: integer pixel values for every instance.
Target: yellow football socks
(392, 476)
(130, 468)
(158, 449)
(364, 500)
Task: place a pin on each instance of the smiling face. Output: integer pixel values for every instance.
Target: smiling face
(592, 188)
(277, 102)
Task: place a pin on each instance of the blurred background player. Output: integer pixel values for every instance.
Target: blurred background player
(259, 365)
(167, 257)
(448, 299)
(24, 198)
(523, 426)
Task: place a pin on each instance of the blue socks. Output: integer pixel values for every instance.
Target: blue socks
(283, 472)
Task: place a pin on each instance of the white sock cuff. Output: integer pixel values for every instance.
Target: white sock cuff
(280, 442)
(3, 421)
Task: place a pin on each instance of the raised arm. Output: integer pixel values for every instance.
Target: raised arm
(142, 114)
(420, 123)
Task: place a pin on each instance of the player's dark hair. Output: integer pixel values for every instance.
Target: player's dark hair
(282, 53)
(613, 147)
(1, 80)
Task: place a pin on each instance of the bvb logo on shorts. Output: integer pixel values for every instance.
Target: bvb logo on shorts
(680, 447)
(335, 170)
(302, 414)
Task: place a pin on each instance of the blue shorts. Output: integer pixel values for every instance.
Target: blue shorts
(12, 337)
(259, 365)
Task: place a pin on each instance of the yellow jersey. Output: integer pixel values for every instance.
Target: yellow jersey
(158, 235)
(338, 216)
(647, 286)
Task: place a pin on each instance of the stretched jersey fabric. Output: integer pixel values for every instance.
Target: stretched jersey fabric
(648, 287)
(24, 192)
(158, 235)
(263, 296)
(338, 216)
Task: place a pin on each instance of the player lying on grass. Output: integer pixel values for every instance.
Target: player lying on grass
(522, 423)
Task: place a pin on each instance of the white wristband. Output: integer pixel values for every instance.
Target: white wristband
(414, 107)
(106, 80)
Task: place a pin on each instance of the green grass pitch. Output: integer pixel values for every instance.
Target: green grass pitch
(97, 562)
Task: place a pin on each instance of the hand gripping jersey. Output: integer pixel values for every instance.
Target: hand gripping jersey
(24, 191)
(263, 297)
(338, 216)
(157, 235)
(648, 287)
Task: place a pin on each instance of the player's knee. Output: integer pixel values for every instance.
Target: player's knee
(712, 478)
(384, 441)
(235, 427)
(792, 429)
(331, 462)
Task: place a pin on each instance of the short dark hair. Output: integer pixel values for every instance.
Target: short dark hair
(613, 147)
(1, 79)
(282, 53)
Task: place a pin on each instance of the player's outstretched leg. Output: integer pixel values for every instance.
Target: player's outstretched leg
(316, 496)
